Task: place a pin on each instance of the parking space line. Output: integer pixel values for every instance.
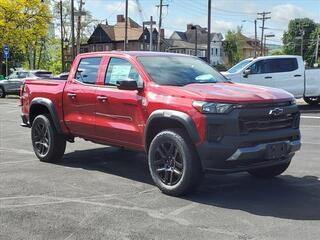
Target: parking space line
(310, 117)
(14, 162)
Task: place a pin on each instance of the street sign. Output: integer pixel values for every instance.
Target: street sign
(6, 52)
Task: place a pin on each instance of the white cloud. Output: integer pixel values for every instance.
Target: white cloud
(285, 12)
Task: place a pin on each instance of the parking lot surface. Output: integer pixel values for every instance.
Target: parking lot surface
(99, 192)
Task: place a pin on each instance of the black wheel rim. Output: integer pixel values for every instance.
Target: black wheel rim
(41, 138)
(168, 163)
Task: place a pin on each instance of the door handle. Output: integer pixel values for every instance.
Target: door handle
(267, 77)
(102, 98)
(297, 75)
(72, 95)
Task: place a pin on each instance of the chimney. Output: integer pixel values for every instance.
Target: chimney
(120, 18)
(162, 33)
(189, 26)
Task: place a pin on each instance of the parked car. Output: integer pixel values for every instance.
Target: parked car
(13, 83)
(62, 76)
(285, 72)
(182, 113)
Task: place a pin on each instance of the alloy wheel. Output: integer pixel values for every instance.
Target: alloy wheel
(168, 163)
(41, 138)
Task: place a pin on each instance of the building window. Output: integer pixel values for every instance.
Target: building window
(141, 46)
(216, 51)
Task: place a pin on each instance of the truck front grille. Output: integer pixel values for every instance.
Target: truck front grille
(267, 123)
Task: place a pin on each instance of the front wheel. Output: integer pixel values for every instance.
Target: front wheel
(270, 172)
(312, 100)
(48, 144)
(174, 165)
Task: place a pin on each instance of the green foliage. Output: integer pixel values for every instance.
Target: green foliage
(23, 23)
(292, 45)
(278, 52)
(232, 46)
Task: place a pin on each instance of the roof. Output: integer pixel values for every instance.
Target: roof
(184, 44)
(116, 32)
(131, 53)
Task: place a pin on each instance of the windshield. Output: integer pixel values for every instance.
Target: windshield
(239, 66)
(179, 70)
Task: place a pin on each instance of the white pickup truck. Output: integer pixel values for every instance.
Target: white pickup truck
(285, 72)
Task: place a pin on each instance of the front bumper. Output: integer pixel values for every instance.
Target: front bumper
(228, 149)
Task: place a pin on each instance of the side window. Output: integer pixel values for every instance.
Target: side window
(121, 69)
(257, 67)
(88, 70)
(283, 65)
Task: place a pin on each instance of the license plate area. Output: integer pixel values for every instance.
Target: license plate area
(276, 150)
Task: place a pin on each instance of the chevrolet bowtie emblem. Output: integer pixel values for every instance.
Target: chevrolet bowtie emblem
(276, 111)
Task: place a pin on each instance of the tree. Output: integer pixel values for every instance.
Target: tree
(23, 25)
(232, 46)
(292, 38)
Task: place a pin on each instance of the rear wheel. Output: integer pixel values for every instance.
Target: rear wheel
(312, 100)
(2, 93)
(173, 162)
(270, 172)
(48, 144)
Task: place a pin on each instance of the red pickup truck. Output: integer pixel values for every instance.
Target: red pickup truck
(186, 116)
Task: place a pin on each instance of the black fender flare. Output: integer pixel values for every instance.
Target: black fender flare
(51, 108)
(181, 117)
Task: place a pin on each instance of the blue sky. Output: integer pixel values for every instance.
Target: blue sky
(226, 14)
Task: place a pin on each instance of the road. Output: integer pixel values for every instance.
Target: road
(99, 192)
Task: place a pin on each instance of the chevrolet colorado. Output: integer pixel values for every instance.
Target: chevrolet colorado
(186, 116)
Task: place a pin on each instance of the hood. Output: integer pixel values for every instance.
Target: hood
(236, 93)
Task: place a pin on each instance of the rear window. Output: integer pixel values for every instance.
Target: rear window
(43, 74)
(88, 70)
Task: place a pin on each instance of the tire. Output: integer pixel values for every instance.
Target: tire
(2, 92)
(312, 100)
(270, 172)
(48, 144)
(173, 163)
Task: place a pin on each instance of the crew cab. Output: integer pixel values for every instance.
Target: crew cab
(182, 113)
(284, 71)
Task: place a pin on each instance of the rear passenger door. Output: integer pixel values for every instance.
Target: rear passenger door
(79, 98)
(287, 75)
(119, 113)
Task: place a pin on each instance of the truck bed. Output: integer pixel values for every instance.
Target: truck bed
(312, 81)
(47, 88)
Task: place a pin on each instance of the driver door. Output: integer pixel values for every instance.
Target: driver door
(260, 74)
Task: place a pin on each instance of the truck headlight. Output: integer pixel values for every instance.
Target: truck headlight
(208, 107)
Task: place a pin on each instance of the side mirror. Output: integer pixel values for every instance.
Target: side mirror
(127, 84)
(246, 73)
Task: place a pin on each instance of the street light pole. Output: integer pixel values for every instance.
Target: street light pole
(255, 38)
(209, 31)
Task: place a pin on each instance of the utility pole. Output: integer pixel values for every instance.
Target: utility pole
(209, 31)
(302, 36)
(255, 38)
(73, 54)
(317, 48)
(62, 37)
(160, 22)
(263, 20)
(126, 28)
(79, 14)
(151, 33)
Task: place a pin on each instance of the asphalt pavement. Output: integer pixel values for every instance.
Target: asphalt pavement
(99, 192)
